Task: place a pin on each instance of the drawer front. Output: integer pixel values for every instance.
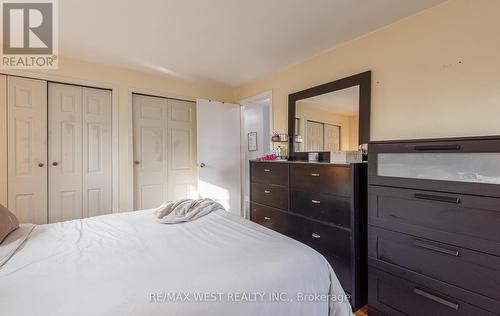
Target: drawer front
(325, 179)
(269, 217)
(265, 172)
(396, 296)
(470, 270)
(462, 220)
(270, 195)
(323, 207)
(326, 239)
(333, 243)
(461, 166)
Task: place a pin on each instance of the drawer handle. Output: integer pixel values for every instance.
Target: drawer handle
(436, 299)
(437, 147)
(437, 198)
(422, 244)
(316, 235)
(315, 174)
(267, 218)
(267, 170)
(267, 191)
(316, 201)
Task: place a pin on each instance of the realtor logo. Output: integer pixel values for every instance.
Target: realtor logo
(29, 34)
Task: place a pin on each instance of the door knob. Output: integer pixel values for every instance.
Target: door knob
(55, 164)
(41, 164)
(137, 162)
(202, 165)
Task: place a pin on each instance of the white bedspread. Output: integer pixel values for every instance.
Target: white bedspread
(129, 264)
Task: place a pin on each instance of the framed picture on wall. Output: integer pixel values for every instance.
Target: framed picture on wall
(252, 141)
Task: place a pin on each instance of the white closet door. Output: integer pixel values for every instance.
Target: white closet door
(27, 149)
(97, 152)
(332, 137)
(80, 157)
(314, 135)
(150, 139)
(65, 152)
(181, 150)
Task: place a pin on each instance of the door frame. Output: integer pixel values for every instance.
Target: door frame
(130, 113)
(249, 102)
(114, 117)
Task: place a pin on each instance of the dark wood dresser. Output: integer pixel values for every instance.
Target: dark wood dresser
(319, 204)
(434, 227)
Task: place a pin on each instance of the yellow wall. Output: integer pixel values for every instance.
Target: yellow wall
(435, 74)
(124, 80)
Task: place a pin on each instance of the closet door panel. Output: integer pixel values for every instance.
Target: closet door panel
(314, 135)
(181, 146)
(150, 138)
(27, 149)
(332, 137)
(65, 152)
(97, 152)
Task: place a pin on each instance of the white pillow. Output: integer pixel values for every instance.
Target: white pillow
(14, 241)
(8, 222)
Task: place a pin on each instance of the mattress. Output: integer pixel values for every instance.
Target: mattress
(129, 264)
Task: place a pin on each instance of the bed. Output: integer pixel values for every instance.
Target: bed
(129, 264)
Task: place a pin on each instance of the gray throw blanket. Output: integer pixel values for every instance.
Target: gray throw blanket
(185, 210)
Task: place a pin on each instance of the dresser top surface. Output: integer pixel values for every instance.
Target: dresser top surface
(327, 163)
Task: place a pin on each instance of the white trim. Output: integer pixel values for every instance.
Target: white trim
(267, 95)
(249, 101)
(130, 113)
(114, 118)
(160, 94)
(259, 97)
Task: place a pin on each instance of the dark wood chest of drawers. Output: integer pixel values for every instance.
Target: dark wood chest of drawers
(321, 205)
(434, 227)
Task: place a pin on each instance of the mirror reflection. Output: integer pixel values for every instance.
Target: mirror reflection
(328, 122)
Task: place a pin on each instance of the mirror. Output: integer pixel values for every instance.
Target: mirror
(328, 122)
(334, 116)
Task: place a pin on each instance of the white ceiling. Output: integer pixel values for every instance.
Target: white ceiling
(226, 41)
(344, 102)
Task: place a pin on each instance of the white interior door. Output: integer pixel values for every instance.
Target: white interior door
(150, 120)
(314, 136)
(65, 152)
(97, 191)
(332, 137)
(27, 149)
(219, 153)
(181, 150)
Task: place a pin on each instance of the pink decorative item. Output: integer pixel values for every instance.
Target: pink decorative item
(267, 157)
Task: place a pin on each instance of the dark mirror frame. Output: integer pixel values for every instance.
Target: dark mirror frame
(363, 80)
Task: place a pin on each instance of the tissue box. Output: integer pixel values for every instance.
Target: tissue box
(351, 156)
